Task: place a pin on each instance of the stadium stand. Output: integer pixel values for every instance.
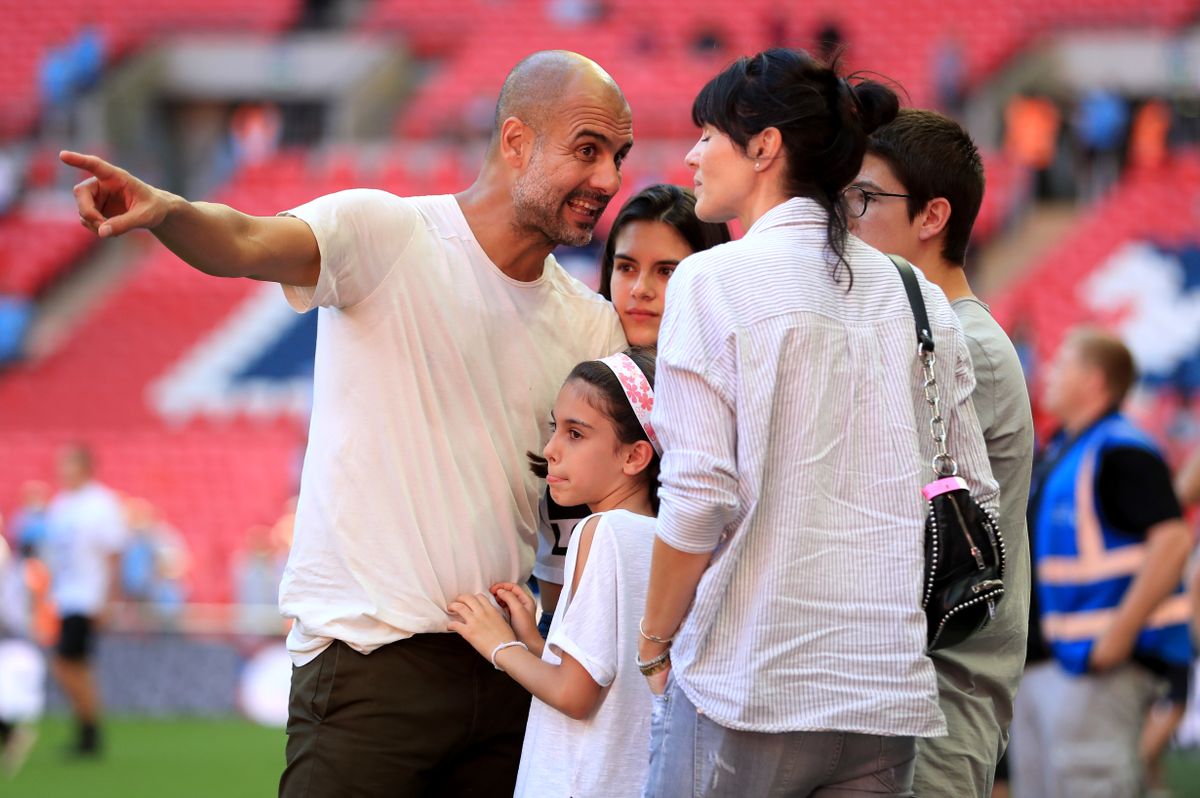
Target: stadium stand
(37, 248)
(38, 40)
(653, 50)
(1150, 212)
(1046, 299)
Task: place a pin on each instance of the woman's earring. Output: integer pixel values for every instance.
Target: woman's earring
(757, 166)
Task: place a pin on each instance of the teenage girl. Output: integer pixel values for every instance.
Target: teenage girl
(589, 723)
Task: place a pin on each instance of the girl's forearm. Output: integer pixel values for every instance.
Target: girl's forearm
(567, 688)
(532, 639)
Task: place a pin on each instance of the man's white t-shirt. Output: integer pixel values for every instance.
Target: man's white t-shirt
(435, 375)
(606, 754)
(84, 528)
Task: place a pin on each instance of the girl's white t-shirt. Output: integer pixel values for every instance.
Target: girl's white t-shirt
(606, 754)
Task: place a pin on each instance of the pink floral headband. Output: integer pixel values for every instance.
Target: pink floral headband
(637, 391)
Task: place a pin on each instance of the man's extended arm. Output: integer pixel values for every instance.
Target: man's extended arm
(214, 239)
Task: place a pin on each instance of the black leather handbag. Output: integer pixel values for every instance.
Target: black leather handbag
(964, 550)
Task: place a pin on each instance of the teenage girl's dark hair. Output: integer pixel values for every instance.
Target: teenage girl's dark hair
(661, 203)
(610, 399)
(823, 119)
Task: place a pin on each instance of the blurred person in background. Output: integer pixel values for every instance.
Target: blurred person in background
(22, 665)
(830, 41)
(85, 533)
(283, 531)
(917, 195)
(1167, 714)
(1149, 135)
(139, 558)
(1110, 546)
(1162, 721)
(257, 570)
(949, 62)
(254, 132)
(1187, 484)
(154, 562)
(446, 328)
(29, 522)
(1099, 125)
(44, 620)
(11, 179)
(1031, 130)
(65, 73)
(654, 230)
(25, 536)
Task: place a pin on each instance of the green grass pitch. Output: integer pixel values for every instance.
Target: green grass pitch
(228, 758)
(149, 758)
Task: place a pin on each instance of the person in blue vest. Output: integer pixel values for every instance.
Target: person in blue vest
(1109, 549)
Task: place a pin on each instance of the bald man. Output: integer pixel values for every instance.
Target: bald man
(445, 330)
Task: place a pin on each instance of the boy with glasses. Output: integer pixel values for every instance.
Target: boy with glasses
(917, 195)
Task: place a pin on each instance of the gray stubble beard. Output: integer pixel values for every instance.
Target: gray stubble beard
(529, 195)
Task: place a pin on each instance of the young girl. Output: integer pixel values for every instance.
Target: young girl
(589, 723)
(653, 231)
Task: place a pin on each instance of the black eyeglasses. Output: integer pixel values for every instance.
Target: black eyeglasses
(857, 199)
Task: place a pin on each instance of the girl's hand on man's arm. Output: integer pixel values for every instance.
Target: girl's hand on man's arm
(522, 611)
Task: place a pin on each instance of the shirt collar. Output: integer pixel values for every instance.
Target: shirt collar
(797, 210)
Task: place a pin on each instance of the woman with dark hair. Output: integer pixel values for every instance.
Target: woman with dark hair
(654, 230)
(783, 622)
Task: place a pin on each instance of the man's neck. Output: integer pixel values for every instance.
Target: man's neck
(949, 277)
(488, 210)
(1084, 419)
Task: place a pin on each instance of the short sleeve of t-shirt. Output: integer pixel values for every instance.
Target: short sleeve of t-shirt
(361, 234)
(587, 629)
(1135, 490)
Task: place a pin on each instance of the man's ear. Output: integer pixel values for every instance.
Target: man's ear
(638, 458)
(935, 217)
(516, 142)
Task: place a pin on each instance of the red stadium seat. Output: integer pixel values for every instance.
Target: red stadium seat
(29, 33)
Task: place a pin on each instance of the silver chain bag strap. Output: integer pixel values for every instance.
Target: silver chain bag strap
(964, 550)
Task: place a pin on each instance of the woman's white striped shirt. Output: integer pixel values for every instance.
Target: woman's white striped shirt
(796, 443)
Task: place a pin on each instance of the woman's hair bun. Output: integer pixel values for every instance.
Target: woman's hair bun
(877, 104)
